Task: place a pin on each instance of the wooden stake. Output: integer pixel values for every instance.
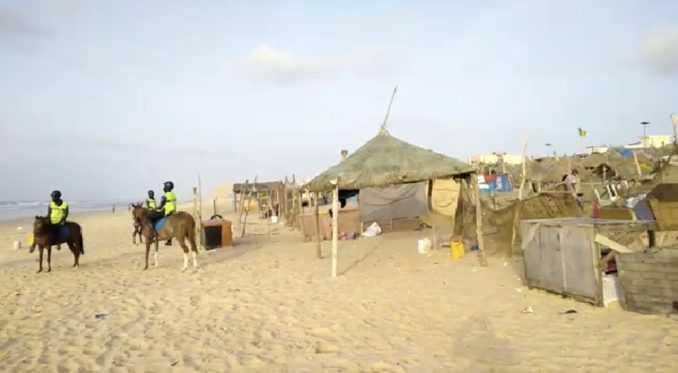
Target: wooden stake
(479, 221)
(635, 159)
(316, 223)
(247, 209)
(268, 227)
(516, 213)
(195, 212)
(199, 207)
(277, 202)
(383, 129)
(335, 227)
(241, 201)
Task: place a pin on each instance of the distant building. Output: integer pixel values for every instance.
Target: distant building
(598, 149)
(494, 158)
(651, 141)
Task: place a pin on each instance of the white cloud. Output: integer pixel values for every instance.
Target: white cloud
(275, 65)
(660, 51)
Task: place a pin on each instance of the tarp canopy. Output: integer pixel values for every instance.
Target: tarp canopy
(393, 202)
(386, 160)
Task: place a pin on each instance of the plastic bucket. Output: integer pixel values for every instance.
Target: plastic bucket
(457, 249)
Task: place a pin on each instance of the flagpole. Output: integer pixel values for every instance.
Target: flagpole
(581, 143)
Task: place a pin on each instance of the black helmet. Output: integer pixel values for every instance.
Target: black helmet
(151, 193)
(168, 185)
(56, 194)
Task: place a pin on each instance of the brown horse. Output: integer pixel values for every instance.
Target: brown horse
(179, 225)
(45, 236)
(136, 225)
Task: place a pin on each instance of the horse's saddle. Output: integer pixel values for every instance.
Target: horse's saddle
(159, 224)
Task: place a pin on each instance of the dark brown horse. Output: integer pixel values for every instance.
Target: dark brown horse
(179, 225)
(136, 225)
(45, 236)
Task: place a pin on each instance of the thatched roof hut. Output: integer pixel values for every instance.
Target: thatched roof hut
(385, 160)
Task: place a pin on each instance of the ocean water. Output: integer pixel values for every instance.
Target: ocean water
(22, 209)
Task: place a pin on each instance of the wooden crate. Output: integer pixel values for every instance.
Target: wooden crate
(216, 233)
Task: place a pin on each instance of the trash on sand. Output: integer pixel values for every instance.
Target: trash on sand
(100, 316)
(424, 246)
(372, 230)
(569, 312)
(528, 310)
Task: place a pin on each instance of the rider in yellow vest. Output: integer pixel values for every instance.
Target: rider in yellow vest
(168, 202)
(58, 209)
(150, 201)
(57, 213)
(168, 205)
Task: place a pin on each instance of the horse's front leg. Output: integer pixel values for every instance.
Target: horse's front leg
(156, 254)
(41, 248)
(49, 258)
(148, 249)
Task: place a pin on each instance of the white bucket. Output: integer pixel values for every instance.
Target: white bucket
(274, 219)
(17, 245)
(424, 246)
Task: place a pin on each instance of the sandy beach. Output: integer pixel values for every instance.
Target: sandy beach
(271, 306)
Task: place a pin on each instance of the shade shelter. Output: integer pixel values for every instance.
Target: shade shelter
(381, 162)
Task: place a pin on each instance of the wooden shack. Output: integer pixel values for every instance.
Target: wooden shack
(575, 257)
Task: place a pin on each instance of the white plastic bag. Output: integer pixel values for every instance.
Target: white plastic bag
(424, 246)
(372, 230)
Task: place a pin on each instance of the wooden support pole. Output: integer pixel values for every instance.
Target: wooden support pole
(195, 213)
(251, 191)
(241, 202)
(277, 202)
(268, 226)
(299, 207)
(316, 223)
(335, 227)
(516, 212)
(479, 221)
(635, 159)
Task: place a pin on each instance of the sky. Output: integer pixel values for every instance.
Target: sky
(105, 100)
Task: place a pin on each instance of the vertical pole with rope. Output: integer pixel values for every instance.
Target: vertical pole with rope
(382, 129)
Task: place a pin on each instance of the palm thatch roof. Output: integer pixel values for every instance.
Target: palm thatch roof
(385, 160)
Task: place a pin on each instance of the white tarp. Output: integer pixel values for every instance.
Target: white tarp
(394, 202)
